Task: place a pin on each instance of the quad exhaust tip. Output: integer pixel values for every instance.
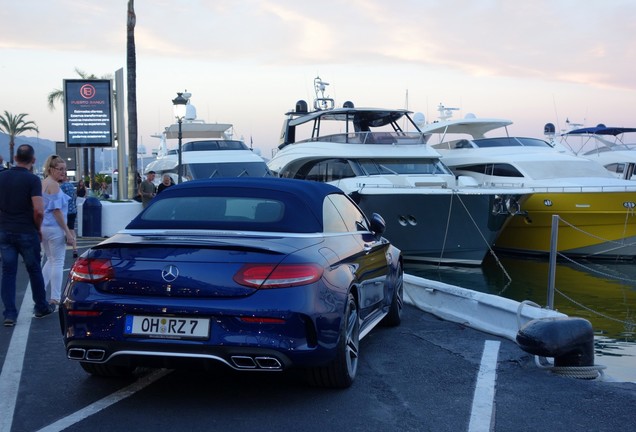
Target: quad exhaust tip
(84, 354)
(238, 361)
(248, 362)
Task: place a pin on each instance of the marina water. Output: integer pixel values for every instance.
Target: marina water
(603, 292)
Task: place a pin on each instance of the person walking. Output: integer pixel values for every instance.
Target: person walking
(55, 231)
(147, 189)
(71, 217)
(166, 182)
(21, 214)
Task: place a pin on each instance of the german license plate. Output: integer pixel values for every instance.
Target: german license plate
(167, 327)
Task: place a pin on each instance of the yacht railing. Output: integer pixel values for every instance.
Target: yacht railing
(564, 189)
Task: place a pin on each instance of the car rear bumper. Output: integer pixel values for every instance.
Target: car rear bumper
(161, 356)
(236, 337)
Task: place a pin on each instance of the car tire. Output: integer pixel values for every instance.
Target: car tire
(394, 317)
(341, 372)
(104, 370)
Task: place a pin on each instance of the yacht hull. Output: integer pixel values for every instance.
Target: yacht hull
(591, 225)
(446, 228)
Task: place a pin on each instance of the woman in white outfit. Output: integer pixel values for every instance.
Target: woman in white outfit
(55, 233)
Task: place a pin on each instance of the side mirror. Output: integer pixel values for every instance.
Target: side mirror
(377, 224)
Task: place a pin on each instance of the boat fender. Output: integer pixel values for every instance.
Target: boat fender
(569, 340)
(512, 206)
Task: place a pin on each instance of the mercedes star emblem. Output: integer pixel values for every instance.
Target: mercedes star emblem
(170, 273)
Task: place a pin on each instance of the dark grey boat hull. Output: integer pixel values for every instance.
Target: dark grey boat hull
(451, 228)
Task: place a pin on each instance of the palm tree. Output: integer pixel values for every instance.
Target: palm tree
(57, 95)
(14, 125)
(131, 69)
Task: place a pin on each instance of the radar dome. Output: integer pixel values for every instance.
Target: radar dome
(419, 119)
(191, 112)
(549, 129)
(301, 106)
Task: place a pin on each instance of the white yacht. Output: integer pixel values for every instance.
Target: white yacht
(208, 150)
(597, 210)
(612, 147)
(370, 153)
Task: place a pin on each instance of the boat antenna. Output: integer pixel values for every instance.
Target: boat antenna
(319, 87)
(445, 112)
(322, 102)
(405, 124)
(556, 113)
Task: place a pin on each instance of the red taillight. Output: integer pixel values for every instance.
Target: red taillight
(92, 270)
(273, 276)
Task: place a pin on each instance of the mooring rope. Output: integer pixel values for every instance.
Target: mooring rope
(490, 249)
(598, 237)
(630, 323)
(448, 219)
(580, 372)
(591, 270)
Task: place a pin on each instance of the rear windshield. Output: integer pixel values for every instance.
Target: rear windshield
(226, 169)
(243, 213)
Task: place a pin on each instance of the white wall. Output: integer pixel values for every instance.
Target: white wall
(115, 216)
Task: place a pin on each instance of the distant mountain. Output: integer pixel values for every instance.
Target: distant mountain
(43, 147)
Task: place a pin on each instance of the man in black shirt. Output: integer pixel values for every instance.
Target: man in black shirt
(21, 213)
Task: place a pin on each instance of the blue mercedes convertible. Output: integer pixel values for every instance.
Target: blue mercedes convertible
(258, 274)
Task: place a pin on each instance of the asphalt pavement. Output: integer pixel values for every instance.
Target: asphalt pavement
(426, 375)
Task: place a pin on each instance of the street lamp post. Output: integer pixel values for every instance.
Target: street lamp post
(179, 105)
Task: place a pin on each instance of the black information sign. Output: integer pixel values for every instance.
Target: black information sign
(88, 112)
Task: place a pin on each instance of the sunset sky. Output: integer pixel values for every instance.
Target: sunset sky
(247, 62)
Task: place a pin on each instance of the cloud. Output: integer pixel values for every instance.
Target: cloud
(587, 42)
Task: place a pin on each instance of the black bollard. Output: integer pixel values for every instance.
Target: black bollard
(569, 340)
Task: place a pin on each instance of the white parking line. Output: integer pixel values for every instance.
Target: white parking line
(13, 362)
(105, 402)
(12, 373)
(481, 414)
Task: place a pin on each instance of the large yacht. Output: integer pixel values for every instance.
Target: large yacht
(208, 150)
(380, 158)
(595, 209)
(613, 147)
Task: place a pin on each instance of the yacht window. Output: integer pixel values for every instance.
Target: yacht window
(403, 166)
(618, 168)
(225, 169)
(559, 169)
(214, 145)
(462, 144)
(499, 169)
(327, 170)
(510, 142)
